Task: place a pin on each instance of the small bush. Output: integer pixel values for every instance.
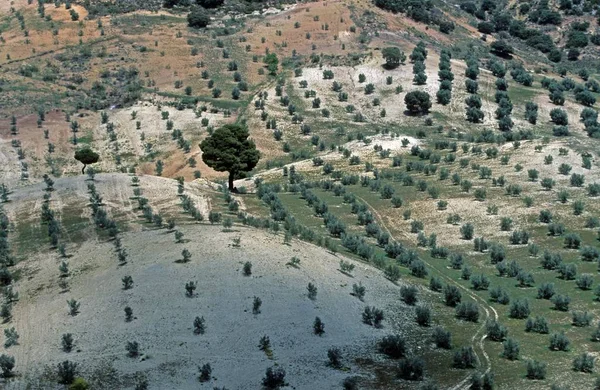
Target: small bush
(247, 268)
(335, 357)
(423, 316)
(468, 311)
(67, 371)
(441, 338)
(496, 331)
(452, 295)
(537, 325)
(372, 316)
(511, 349)
(561, 302)
(465, 358)
(318, 327)
(581, 318)
(519, 309)
(394, 346)
(274, 378)
(536, 370)
(546, 291)
(409, 295)
(559, 342)
(7, 364)
(584, 363)
(411, 368)
(585, 281)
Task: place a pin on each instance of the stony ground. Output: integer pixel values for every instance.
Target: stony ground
(163, 324)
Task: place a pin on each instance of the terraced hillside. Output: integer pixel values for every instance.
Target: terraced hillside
(426, 189)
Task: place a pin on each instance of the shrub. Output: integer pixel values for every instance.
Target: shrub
(7, 364)
(537, 325)
(256, 303)
(567, 271)
(564, 169)
(67, 342)
(468, 311)
(572, 241)
(247, 268)
(435, 284)
(505, 224)
(480, 282)
(525, 279)
(467, 231)
(593, 189)
(409, 295)
(11, 337)
(417, 268)
(533, 249)
(394, 346)
(585, 281)
(546, 291)
(589, 253)
(519, 309)
(198, 18)
(456, 261)
(561, 302)
(335, 356)
(127, 282)
(452, 295)
(372, 316)
(559, 342)
(350, 383)
(274, 378)
(511, 349)
(497, 253)
(545, 216)
(423, 316)
(73, 307)
(79, 384)
(411, 368)
(67, 371)
(358, 290)
(577, 180)
(536, 370)
(584, 363)
(199, 325)
(318, 327)
(465, 358)
(466, 273)
(499, 295)
(581, 318)
(441, 338)
(480, 194)
(559, 117)
(495, 330)
(417, 102)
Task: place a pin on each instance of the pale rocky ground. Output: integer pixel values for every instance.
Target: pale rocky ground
(164, 316)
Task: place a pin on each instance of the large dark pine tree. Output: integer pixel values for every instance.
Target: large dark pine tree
(229, 149)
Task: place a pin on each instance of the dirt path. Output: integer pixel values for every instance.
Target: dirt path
(479, 336)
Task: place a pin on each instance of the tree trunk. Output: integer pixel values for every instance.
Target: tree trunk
(231, 181)
(83, 169)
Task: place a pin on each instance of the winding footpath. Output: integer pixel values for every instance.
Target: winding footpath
(477, 341)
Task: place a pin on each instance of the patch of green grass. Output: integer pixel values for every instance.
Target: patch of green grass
(88, 138)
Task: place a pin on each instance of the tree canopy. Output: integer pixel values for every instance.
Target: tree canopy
(210, 3)
(86, 156)
(502, 48)
(198, 18)
(393, 57)
(229, 149)
(417, 102)
(272, 61)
